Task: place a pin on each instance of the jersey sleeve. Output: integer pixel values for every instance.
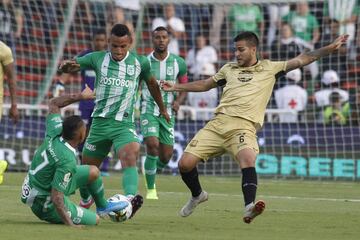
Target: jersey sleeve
(6, 56)
(86, 61)
(145, 68)
(314, 23)
(278, 66)
(53, 125)
(63, 176)
(221, 74)
(182, 75)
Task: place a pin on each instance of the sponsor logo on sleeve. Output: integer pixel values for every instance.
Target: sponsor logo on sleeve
(90, 147)
(66, 180)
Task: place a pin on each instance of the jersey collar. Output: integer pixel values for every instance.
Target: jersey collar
(256, 67)
(152, 55)
(68, 145)
(127, 54)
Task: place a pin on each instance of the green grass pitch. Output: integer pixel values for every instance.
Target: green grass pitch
(310, 210)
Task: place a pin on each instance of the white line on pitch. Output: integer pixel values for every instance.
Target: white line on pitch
(15, 188)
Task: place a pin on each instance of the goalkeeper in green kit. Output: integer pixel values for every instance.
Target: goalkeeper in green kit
(118, 73)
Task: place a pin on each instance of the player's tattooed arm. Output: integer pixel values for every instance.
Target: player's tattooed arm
(309, 57)
(58, 199)
(55, 104)
(154, 90)
(195, 86)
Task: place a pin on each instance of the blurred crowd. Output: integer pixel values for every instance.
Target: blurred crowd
(202, 33)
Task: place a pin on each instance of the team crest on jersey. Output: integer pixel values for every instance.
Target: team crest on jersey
(245, 76)
(130, 70)
(169, 70)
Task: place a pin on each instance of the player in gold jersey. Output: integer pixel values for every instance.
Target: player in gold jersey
(7, 70)
(248, 85)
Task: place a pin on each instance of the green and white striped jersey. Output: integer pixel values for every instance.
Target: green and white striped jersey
(53, 165)
(116, 83)
(169, 69)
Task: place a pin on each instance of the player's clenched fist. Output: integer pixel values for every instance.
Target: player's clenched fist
(69, 66)
(167, 86)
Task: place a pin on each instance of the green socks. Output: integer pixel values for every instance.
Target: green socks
(130, 180)
(150, 170)
(96, 188)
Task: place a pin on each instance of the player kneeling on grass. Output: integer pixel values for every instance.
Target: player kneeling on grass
(248, 84)
(54, 175)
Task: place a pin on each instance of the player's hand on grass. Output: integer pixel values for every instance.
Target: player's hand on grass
(167, 86)
(165, 115)
(69, 66)
(87, 93)
(14, 114)
(340, 41)
(77, 226)
(175, 106)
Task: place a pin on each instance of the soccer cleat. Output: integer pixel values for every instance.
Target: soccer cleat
(3, 166)
(192, 203)
(136, 202)
(253, 210)
(152, 194)
(86, 203)
(111, 207)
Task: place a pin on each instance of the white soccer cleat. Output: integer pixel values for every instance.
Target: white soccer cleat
(253, 210)
(192, 203)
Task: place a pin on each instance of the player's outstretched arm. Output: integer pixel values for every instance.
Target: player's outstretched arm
(69, 66)
(195, 86)
(56, 103)
(156, 94)
(309, 57)
(58, 199)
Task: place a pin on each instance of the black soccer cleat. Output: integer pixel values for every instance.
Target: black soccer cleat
(136, 203)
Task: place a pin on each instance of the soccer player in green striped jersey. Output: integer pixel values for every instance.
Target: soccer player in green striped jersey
(158, 133)
(118, 73)
(54, 175)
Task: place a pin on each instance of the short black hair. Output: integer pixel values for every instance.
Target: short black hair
(249, 37)
(120, 30)
(99, 32)
(70, 126)
(334, 97)
(160, 28)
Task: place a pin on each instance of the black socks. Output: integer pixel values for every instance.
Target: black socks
(249, 184)
(191, 179)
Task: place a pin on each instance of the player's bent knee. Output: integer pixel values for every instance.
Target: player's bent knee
(97, 220)
(188, 162)
(246, 158)
(152, 145)
(94, 173)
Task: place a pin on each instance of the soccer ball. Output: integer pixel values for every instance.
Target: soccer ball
(122, 215)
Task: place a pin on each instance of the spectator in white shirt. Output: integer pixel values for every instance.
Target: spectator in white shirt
(207, 99)
(175, 26)
(331, 82)
(131, 9)
(291, 97)
(200, 55)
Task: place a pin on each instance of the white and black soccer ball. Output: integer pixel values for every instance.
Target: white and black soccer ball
(122, 215)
